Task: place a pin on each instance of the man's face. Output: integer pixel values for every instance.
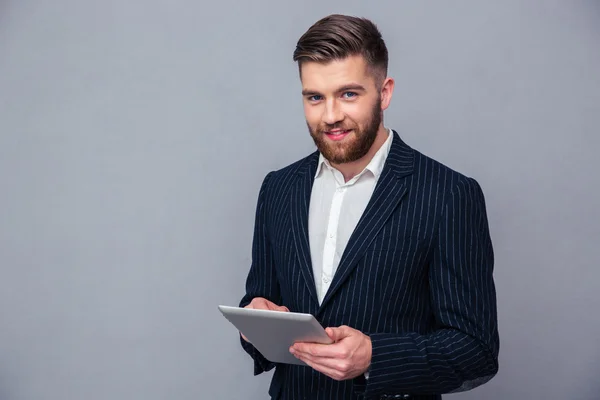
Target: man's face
(342, 106)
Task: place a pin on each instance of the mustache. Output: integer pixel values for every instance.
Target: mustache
(326, 127)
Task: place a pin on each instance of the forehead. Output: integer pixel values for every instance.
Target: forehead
(324, 77)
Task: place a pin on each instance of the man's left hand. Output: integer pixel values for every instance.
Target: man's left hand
(348, 357)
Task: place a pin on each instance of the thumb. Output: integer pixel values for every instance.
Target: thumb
(337, 334)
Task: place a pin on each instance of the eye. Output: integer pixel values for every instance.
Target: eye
(315, 97)
(349, 95)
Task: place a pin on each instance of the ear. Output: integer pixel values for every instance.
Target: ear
(387, 90)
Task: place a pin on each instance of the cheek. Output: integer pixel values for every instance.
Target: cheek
(312, 115)
(356, 113)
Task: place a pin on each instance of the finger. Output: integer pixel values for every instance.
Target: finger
(255, 303)
(259, 303)
(337, 350)
(313, 349)
(337, 364)
(337, 334)
(263, 304)
(274, 307)
(330, 372)
(245, 338)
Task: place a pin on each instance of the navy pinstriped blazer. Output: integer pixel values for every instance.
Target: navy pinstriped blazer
(416, 276)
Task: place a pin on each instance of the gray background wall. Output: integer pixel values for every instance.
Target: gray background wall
(134, 136)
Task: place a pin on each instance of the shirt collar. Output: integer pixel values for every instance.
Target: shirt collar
(375, 165)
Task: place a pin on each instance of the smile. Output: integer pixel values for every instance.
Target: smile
(338, 134)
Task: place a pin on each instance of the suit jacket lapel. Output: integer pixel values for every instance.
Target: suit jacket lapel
(299, 209)
(390, 189)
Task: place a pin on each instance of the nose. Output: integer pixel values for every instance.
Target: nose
(332, 113)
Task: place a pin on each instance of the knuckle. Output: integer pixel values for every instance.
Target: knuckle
(261, 303)
(345, 367)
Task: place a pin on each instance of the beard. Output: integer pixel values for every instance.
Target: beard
(354, 146)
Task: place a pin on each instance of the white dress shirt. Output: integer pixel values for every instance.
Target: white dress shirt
(334, 211)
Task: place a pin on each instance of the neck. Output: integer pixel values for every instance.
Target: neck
(351, 169)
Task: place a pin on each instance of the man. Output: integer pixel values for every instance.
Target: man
(387, 248)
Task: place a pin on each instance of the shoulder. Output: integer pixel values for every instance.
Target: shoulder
(277, 183)
(437, 186)
(283, 177)
(432, 173)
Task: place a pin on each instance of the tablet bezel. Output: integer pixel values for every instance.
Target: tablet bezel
(272, 333)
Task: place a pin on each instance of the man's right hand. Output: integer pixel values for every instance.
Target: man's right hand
(260, 303)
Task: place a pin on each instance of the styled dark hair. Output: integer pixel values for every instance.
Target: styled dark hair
(336, 37)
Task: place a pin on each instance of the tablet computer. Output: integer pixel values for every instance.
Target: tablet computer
(274, 332)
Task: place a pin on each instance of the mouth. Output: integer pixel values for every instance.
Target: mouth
(337, 134)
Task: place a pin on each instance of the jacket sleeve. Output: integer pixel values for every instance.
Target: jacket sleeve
(262, 279)
(462, 353)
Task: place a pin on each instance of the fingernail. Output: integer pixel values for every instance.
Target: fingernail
(292, 350)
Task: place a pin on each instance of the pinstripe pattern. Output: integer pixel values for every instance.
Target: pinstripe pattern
(416, 276)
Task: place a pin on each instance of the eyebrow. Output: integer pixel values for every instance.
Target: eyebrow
(345, 88)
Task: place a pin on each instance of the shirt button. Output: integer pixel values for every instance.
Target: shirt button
(340, 190)
(331, 236)
(326, 280)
